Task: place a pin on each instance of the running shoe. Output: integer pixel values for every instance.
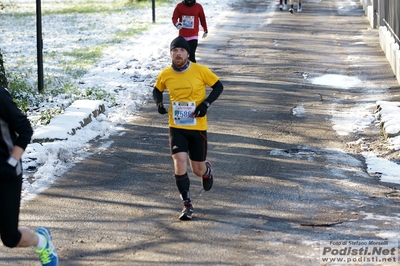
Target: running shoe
(207, 180)
(48, 254)
(281, 7)
(291, 10)
(187, 212)
(299, 9)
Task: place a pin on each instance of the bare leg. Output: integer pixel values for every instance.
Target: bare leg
(180, 163)
(28, 238)
(198, 168)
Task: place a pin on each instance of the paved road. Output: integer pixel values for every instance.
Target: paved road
(276, 173)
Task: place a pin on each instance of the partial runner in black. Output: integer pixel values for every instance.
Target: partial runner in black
(15, 135)
(282, 6)
(299, 8)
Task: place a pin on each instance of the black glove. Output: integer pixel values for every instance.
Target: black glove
(161, 109)
(201, 110)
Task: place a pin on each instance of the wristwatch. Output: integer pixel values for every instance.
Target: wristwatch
(207, 103)
(12, 161)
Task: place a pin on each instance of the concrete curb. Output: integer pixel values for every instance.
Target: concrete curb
(76, 116)
(388, 114)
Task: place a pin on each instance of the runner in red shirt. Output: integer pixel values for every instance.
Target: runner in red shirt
(187, 18)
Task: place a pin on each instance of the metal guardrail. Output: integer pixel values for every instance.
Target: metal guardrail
(388, 11)
(392, 31)
(385, 13)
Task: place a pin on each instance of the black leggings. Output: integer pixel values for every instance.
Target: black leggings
(10, 200)
(193, 47)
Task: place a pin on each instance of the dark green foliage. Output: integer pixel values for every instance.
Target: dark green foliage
(3, 78)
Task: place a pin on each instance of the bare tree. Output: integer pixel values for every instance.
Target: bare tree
(3, 79)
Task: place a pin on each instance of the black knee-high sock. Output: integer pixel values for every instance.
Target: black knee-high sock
(183, 184)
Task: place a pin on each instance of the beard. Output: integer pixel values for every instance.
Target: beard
(179, 62)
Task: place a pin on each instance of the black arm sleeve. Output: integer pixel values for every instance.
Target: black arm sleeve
(157, 96)
(15, 122)
(216, 92)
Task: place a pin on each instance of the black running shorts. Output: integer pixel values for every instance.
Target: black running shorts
(194, 142)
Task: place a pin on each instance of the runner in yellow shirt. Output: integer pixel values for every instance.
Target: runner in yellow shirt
(186, 83)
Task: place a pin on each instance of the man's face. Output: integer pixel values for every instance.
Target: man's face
(179, 56)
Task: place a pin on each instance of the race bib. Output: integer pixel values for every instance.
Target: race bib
(188, 22)
(182, 113)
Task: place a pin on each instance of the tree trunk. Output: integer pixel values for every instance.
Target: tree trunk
(3, 79)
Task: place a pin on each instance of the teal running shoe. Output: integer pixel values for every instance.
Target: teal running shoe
(48, 254)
